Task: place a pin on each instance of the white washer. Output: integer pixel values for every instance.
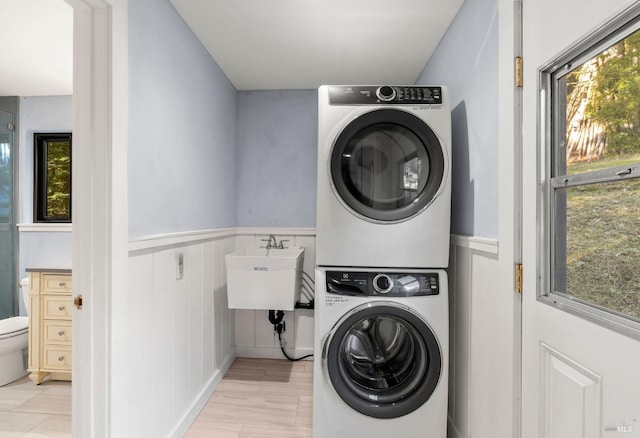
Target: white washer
(384, 183)
(381, 353)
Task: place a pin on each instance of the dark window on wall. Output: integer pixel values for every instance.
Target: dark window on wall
(52, 183)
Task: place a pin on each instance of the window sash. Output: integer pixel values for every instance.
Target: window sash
(552, 170)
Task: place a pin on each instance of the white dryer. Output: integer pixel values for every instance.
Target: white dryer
(381, 353)
(384, 183)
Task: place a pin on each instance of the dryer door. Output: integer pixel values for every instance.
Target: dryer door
(387, 165)
(382, 359)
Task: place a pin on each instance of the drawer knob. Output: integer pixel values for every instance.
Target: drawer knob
(61, 308)
(60, 358)
(62, 284)
(61, 333)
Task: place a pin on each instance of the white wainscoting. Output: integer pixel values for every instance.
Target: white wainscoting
(179, 333)
(255, 336)
(473, 267)
(182, 338)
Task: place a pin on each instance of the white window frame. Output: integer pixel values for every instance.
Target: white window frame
(550, 130)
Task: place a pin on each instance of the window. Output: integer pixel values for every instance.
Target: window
(592, 193)
(52, 183)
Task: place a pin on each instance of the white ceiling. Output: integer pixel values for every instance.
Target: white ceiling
(259, 44)
(302, 44)
(36, 53)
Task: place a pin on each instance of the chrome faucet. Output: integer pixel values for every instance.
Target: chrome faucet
(273, 243)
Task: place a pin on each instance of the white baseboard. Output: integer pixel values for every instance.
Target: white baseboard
(200, 402)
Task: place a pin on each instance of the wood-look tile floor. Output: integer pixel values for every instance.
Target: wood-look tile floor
(28, 410)
(259, 398)
(256, 398)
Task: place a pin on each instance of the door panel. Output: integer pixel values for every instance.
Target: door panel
(571, 396)
(579, 378)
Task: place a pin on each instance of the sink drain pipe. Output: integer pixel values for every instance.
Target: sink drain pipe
(277, 319)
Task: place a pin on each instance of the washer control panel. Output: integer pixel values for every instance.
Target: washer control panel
(390, 284)
(385, 94)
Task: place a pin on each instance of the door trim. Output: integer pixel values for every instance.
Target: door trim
(510, 204)
(100, 218)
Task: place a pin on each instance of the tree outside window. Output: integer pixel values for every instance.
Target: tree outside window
(595, 179)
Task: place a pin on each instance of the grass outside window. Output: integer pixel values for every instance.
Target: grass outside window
(593, 201)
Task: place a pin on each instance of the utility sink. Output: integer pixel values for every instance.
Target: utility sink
(264, 278)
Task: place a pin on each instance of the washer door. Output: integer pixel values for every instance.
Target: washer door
(387, 165)
(382, 359)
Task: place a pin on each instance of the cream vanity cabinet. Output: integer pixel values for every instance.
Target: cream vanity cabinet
(50, 305)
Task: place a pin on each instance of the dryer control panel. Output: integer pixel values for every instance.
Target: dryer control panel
(385, 94)
(388, 284)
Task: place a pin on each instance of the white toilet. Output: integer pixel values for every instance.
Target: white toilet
(14, 342)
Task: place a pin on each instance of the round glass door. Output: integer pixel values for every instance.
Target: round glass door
(383, 360)
(387, 165)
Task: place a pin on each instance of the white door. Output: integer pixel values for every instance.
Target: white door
(580, 362)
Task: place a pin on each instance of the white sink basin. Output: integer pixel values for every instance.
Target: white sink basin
(267, 279)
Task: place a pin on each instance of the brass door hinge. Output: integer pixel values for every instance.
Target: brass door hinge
(519, 278)
(518, 71)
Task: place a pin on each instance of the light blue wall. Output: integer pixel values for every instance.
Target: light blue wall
(40, 249)
(182, 128)
(40, 114)
(37, 114)
(277, 156)
(466, 61)
(44, 249)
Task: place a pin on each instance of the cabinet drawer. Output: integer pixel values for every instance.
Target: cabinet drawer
(56, 283)
(57, 358)
(57, 307)
(57, 332)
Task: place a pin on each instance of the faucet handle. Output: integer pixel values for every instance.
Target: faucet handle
(271, 241)
(281, 245)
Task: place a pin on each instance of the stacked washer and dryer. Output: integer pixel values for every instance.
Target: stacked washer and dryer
(382, 244)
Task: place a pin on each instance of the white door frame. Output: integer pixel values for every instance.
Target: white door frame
(510, 212)
(100, 217)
